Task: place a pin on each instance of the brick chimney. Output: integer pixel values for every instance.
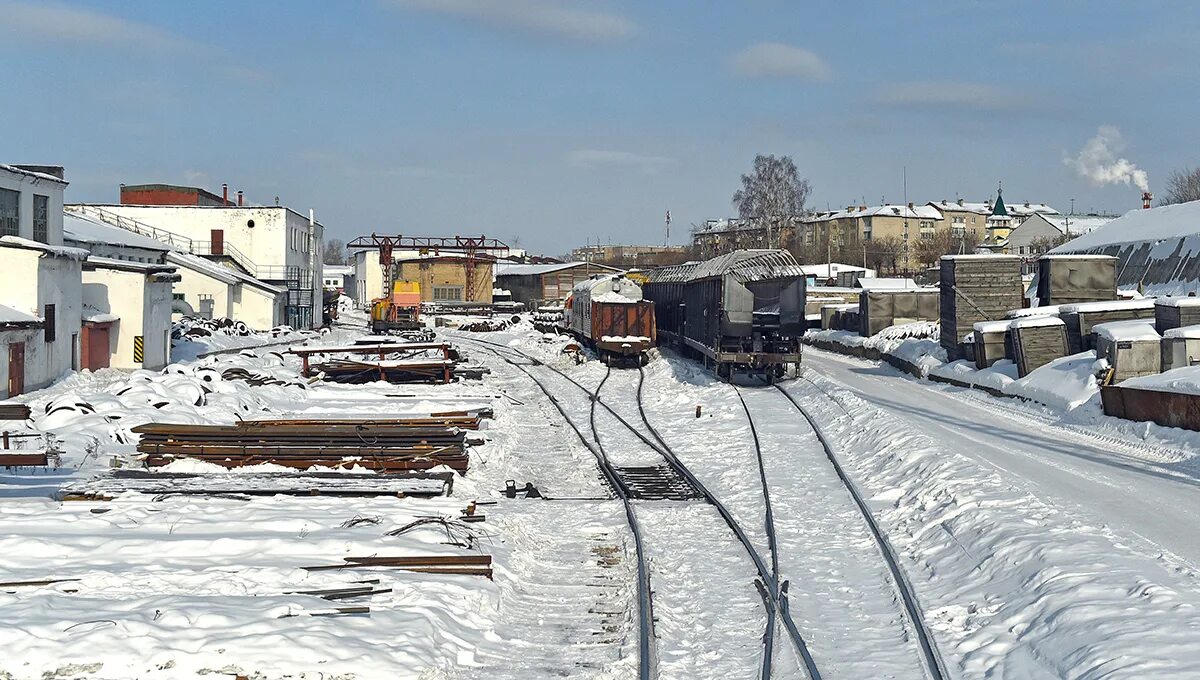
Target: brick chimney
(1146, 198)
(224, 194)
(239, 197)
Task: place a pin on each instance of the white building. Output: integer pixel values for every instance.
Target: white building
(126, 314)
(274, 244)
(368, 277)
(43, 282)
(40, 281)
(334, 276)
(209, 289)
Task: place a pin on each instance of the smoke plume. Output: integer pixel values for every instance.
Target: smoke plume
(1098, 163)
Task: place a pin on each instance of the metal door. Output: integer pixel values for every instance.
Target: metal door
(16, 368)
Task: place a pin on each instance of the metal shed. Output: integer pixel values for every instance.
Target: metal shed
(1180, 347)
(1133, 348)
(1083, 317)
(1173, 312)
(1036, 341)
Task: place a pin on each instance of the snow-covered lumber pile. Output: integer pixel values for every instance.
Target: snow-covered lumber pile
(975, 288)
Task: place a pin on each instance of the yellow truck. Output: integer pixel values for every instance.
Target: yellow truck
(400, 311)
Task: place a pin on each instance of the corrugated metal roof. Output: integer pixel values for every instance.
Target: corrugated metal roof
(750, 265)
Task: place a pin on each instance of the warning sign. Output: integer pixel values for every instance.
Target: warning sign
(139, 345)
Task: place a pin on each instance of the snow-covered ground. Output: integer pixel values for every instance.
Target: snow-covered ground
(1041, 543)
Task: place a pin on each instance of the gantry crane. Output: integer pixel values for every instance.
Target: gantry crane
(390, 313)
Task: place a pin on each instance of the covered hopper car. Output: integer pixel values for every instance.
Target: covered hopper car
(607, 313)
(740, 313)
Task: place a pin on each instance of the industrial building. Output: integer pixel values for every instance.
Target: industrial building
(536, 283)
(274, 244)
(445, 278)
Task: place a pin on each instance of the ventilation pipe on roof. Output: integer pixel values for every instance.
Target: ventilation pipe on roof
(224, 194)
(239, 197)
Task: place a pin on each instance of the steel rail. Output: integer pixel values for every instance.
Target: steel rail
(776, 595)
(931, 657)
(647, 661)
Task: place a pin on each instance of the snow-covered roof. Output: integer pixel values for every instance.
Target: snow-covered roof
(32, 173)
(1189, 332)
(55, 251)
(1155, 224)
(1078, 224)
(867, 283)
(223, 274)
(94, 315)
(127, 265)
(1036, 322)
(964, 206)
(992, 326)
(1027, 209)
(81, 229)
(1107, 305)
(336, 269)
(13, 317)
(1047, 310)
(505, 269)
(1137, 329)
(981, 256)
(1177, 301)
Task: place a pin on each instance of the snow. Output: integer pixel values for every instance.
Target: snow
(1107, 306)
(1184, 380)
(833, 268)
(1156, 224)
(1048, 310)
(609, 297)
(84, 229)
(886, 284)
(218, 272)
(1063, 384)
(1132, 330)
(506, 269)
(8, 315)
(1177, 301)
(1189, 332)
(31, 173)
(1037, 322)
(96, 316)
(632, 339)
(980, 256)
(56, 251)
(1000, 326)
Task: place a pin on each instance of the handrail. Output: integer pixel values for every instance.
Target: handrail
(129, 224)
(227, 249)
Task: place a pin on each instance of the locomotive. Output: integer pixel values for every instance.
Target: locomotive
(740, 313)
(607, 313)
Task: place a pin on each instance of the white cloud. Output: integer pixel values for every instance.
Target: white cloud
(547, 18)
(954, 95)
(52, 22)
(776, 60)
(595, 158)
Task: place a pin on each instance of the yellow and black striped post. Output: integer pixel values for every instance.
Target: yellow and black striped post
(139, 347)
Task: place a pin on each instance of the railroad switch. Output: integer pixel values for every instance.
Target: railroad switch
(530, 491)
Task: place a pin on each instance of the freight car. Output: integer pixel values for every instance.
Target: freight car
(740, 313)
(607, 313)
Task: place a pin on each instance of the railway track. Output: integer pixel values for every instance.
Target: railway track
(666, 480)
(931, 662)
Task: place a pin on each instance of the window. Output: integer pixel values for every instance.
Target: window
(177, 296)
(957, 231)
(10, 213)
(447, 293)
(50, 326)
(41, 218)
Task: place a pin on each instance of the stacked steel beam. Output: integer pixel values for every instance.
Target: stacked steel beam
(382, 445)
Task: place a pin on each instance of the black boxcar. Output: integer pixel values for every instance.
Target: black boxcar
(742, 312)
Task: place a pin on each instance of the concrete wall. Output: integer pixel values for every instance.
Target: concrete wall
(32, 337)
(194, 284)
(30, 280)
(114, 252)
(27, 186)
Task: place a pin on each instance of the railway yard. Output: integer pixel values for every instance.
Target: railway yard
(546, 515)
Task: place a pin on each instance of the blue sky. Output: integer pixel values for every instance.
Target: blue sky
(555, 122)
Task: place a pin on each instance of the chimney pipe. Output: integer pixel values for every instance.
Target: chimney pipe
(1146, 198)
(224, 194)
(239, 197)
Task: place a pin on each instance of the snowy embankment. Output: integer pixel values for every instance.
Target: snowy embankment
(1012, 586)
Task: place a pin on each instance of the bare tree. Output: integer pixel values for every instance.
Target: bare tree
(927, 251)
(333, 251)
(884, 254)
(1043, 244)
(773, 194)
(1182, 186)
